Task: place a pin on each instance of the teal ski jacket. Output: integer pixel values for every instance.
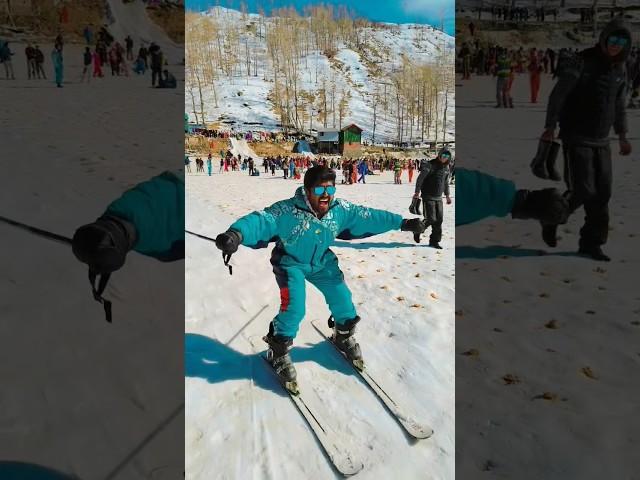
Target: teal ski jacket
(156, 209)
(304, 239)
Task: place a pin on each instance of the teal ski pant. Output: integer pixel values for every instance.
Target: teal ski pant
(329, 279)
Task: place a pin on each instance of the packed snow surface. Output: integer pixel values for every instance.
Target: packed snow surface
(239, 423)
(557, 324)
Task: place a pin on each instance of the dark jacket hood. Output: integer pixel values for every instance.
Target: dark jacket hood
(619, 27)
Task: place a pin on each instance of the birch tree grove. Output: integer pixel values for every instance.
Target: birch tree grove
(289, 52)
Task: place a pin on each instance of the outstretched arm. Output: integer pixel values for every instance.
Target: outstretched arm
(155, 208)
(259, 228)
(363, 222)
(480, 195)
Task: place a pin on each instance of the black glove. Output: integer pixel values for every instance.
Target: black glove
(415, 206)
(103, 244)
(415, 225)
(229, 241)
(548, 206)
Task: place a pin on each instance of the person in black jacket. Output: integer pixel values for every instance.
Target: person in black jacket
(587, 100)
(432, 182)
(157, 62)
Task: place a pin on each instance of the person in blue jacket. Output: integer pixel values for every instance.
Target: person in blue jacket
(148, 219)
(58, 64)
(303, 228)
(209, 165)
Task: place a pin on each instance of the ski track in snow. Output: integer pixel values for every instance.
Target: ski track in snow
(239, 424)
(594, 305)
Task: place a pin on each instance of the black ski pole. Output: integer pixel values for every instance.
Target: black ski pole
(37, 231)
(97, 292)
(225, 258)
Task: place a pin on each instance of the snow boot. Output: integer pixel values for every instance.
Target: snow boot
(345, 341)
(594, 252)
(279, 358)
(551, 162)
(435, 245)
(415, 206)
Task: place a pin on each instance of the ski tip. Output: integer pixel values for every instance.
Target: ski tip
(421, 433)
(349, 468)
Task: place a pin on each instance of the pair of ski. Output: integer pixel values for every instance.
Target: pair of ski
(343, 460)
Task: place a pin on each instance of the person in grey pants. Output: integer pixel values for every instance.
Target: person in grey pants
(432, 183)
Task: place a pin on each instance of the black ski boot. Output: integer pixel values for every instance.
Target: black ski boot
(435, 245)
(594, 252)
(345, 341)
(415, 206)
(279, 358)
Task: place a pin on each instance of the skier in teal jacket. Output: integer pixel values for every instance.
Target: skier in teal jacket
(148, 218)
(304, 227)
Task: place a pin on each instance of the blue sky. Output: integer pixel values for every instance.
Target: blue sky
(395, 11)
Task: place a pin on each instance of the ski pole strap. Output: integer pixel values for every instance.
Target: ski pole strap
(97, 292)
(226, 259)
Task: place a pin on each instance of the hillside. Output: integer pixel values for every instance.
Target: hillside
(357, 76)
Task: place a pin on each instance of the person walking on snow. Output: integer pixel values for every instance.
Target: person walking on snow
(503, 71)
(58, 64)
(87, 58)
(129, 46)
(432, 182)
(97, 64)
(30, 53)
(534, 75)
(587, 100)
(5, 59)
(209, 164)
(39, 57)
(304, 227)
(362, 170)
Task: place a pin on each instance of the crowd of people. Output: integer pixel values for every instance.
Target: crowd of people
(518, 14)
(102, 50)
(250, 136)
(506, 64)
(354, 170)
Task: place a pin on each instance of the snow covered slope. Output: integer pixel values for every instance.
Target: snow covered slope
(132, 19)
(243, 103)
(549, 319)
(81, 399)
(239, 424)
(241, 147)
